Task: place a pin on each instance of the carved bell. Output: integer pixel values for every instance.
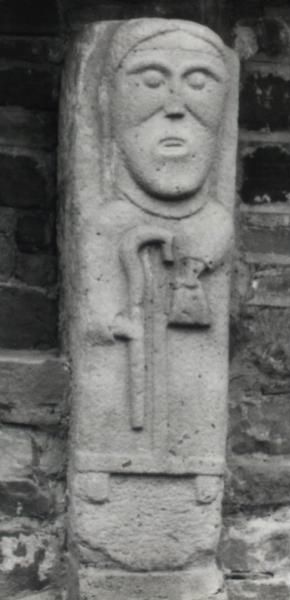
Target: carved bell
(189, 305)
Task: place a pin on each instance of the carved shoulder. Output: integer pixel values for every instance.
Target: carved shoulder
(210, 234)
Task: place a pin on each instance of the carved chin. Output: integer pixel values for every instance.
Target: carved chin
(171, 186)
(167, 177)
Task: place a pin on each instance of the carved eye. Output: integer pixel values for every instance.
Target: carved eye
(153, 78)
(197, 80)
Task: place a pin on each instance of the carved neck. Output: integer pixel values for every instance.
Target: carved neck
(168, 209)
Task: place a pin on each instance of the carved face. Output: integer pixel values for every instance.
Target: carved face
(167, 107)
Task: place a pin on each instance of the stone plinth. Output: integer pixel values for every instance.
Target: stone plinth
(147, 170)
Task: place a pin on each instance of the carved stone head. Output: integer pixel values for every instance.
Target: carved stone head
(168, 82)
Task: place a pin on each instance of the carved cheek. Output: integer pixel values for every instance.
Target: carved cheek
(207, 104)
(136, 102)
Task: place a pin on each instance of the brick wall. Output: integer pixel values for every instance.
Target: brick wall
(32, 376)
(255, 549)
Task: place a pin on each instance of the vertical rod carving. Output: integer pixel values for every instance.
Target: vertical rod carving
(133, 242)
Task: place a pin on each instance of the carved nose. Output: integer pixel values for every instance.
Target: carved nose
(174, 107)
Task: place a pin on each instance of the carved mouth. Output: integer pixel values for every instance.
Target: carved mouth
(172, 142)
(173, 146)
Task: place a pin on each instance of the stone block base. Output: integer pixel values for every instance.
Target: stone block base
(196, 584)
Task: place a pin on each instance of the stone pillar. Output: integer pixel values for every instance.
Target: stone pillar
(147, 168)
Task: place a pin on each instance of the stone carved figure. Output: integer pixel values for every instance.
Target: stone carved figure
(167, 100)
(166, 96)
(150, 196)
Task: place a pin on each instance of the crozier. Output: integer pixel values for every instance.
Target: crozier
(149, 129)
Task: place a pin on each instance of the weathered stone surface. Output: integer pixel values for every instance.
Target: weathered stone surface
(50, 594)
(264, 589)
(52, 456)
(270, 286)
(149, 524)
(149, 201)
(260, 424)
(164, 586)
(261, 280)
(28, 562)
(262, 342)
(33, 388)
(265, 232)
(256, 482)
(29, 458)
(262, 240)
(44, 595)
(28, 319)
(94, 487)
(16, 453)
(22, 497)
(99, 324)
(26, 180)
(252, 546)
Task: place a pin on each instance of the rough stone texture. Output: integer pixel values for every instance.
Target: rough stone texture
(33, 388)
(265, 233)
(50, 594)
(168, 586)
(30, 556)
(16, 452)
(259, 482)
(27, 318)
(33, 417)
(260, 383)
(31, 473)
(261, 422)
(146, 302)
(26, 179)
(148, 524)
(254, 546)
(264, 589)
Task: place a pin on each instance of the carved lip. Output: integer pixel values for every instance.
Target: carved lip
(173, 146)
(172, 142)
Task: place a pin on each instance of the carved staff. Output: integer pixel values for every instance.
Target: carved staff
(132, 243)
